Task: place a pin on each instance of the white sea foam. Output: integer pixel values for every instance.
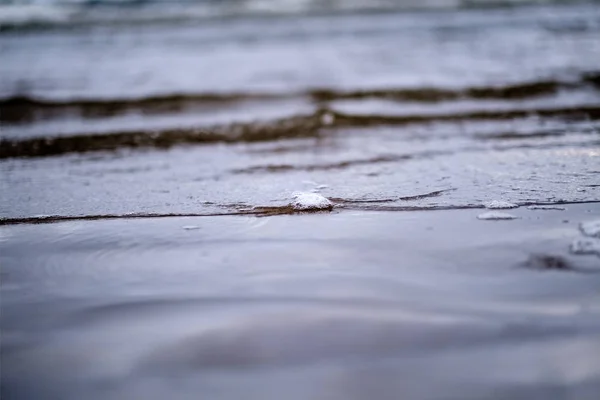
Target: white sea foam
(327, 119)
(546, 208)
(305, 201)
(591, 228)
(500, 204)
(586, 246)
(494, 215)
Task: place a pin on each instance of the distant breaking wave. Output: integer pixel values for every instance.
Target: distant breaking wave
(31, 14)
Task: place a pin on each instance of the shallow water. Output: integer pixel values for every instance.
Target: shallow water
(324, 306)
(150, 157)
(223, 115)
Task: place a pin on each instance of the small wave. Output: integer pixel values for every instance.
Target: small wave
(517, 91)
(321, 167)
(518, 135)
(265, 211)
(23, 108)
(302, 126)
(50, 219)
(19, 109)
(283, 168)
(293, 127)
(585, 113)
(435, 193)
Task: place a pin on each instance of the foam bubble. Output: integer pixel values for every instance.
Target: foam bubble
(500, 204)
(496, 216)
(534, 207)
(586, 246)
(591, 228)
(305, 201)
(327, 119)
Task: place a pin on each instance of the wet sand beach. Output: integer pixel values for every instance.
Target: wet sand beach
(160, 164)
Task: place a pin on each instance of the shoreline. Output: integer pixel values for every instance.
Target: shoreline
(260, 211)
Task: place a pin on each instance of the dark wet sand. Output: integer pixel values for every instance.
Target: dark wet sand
(340, 305)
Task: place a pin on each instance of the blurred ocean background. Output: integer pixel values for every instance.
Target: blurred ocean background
(66, 50)
(77, 12)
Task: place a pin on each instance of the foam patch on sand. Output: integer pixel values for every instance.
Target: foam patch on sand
(500, 204)
(494, 215)
(591, 228)
(586, 246)
(546, 208)
(306, 201)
